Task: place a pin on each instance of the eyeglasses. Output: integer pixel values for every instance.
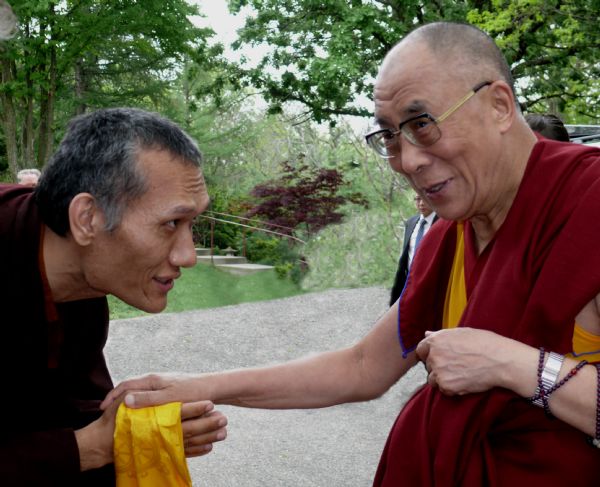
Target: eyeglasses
(421, 130)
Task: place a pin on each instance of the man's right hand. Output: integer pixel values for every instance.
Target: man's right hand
(95, 441)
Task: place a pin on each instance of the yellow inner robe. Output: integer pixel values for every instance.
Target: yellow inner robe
(585, 345)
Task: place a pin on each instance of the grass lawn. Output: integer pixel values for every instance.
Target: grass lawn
(204, 286)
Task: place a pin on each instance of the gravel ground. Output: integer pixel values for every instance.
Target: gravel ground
(337, 446)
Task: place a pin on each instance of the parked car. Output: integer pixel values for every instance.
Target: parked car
(584, 134)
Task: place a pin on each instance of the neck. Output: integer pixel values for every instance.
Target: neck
(488, 222)
(63, 269)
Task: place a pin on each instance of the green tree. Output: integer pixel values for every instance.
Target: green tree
(71, 55)
(325, 55)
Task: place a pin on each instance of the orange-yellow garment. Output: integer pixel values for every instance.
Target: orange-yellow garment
(585, 345)
(148, 447)
(456, 294)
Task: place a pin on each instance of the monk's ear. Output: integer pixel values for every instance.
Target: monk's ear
(86, 219)
(503, 105)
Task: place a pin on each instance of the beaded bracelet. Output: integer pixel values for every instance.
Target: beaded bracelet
(544, 394)
(541, 389)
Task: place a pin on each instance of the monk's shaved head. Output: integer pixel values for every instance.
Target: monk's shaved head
(464, 51)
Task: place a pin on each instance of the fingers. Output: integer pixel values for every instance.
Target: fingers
(111, 409)
(198, 451)
(424, 346)
(150, 382)
(200, 433)
(195, 409)
(144, 399)
(423, 350)
(205, 429)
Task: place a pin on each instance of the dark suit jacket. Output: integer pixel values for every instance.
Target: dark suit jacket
(402, 272)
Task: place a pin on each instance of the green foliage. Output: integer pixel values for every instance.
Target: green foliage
(552, 49)
(362, 251)
(266, 250)
(325, 55)
(278, 252)
(6, 177)
(207, 287)
(70, 56)
(224, 235)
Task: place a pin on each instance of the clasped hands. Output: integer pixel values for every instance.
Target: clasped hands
(201, 425)
(467, 360)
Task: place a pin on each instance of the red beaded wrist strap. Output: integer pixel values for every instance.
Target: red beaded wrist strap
(544, 393)
(540, 397)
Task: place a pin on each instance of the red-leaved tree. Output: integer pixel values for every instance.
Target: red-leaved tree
(303, 198)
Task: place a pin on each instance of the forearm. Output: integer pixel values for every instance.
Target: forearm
(93, 453)
(574, 402)
(466, 360)
(318, 381)
(361, 372)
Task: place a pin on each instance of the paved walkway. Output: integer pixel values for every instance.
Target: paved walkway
(333, 447)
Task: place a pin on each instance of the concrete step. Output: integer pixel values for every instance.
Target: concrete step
(220, 259)
(243, 269)
(201, 251)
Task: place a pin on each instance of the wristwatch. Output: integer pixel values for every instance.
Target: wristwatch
(549, 375)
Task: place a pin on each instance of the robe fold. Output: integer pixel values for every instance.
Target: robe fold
(541, 268)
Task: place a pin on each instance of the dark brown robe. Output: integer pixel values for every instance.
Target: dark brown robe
(54, 375)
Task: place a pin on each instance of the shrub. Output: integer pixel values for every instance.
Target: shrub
(363, 251)
(277, 252)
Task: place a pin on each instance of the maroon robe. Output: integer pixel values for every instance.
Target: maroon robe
(54, 375)
(539, 271)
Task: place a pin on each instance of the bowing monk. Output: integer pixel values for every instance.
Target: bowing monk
(501, 302)
(112, 214)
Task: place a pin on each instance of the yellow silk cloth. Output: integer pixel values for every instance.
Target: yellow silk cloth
(585, 345)
(148, 447)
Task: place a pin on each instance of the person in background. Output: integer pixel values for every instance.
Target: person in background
(112, 214)
(503, 302)
(548, 125)
(8, 21)
(28, 177)
(421, 223)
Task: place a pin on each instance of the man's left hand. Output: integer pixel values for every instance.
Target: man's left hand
(468, 360)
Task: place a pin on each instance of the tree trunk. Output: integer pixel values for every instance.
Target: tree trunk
(45, 132)
(9, 120)
(28, 135)
(80, 87)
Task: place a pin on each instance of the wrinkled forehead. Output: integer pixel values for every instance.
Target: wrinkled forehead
(411, 80)
(401, 82)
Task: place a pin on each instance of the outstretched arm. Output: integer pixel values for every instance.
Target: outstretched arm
(361, 372)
